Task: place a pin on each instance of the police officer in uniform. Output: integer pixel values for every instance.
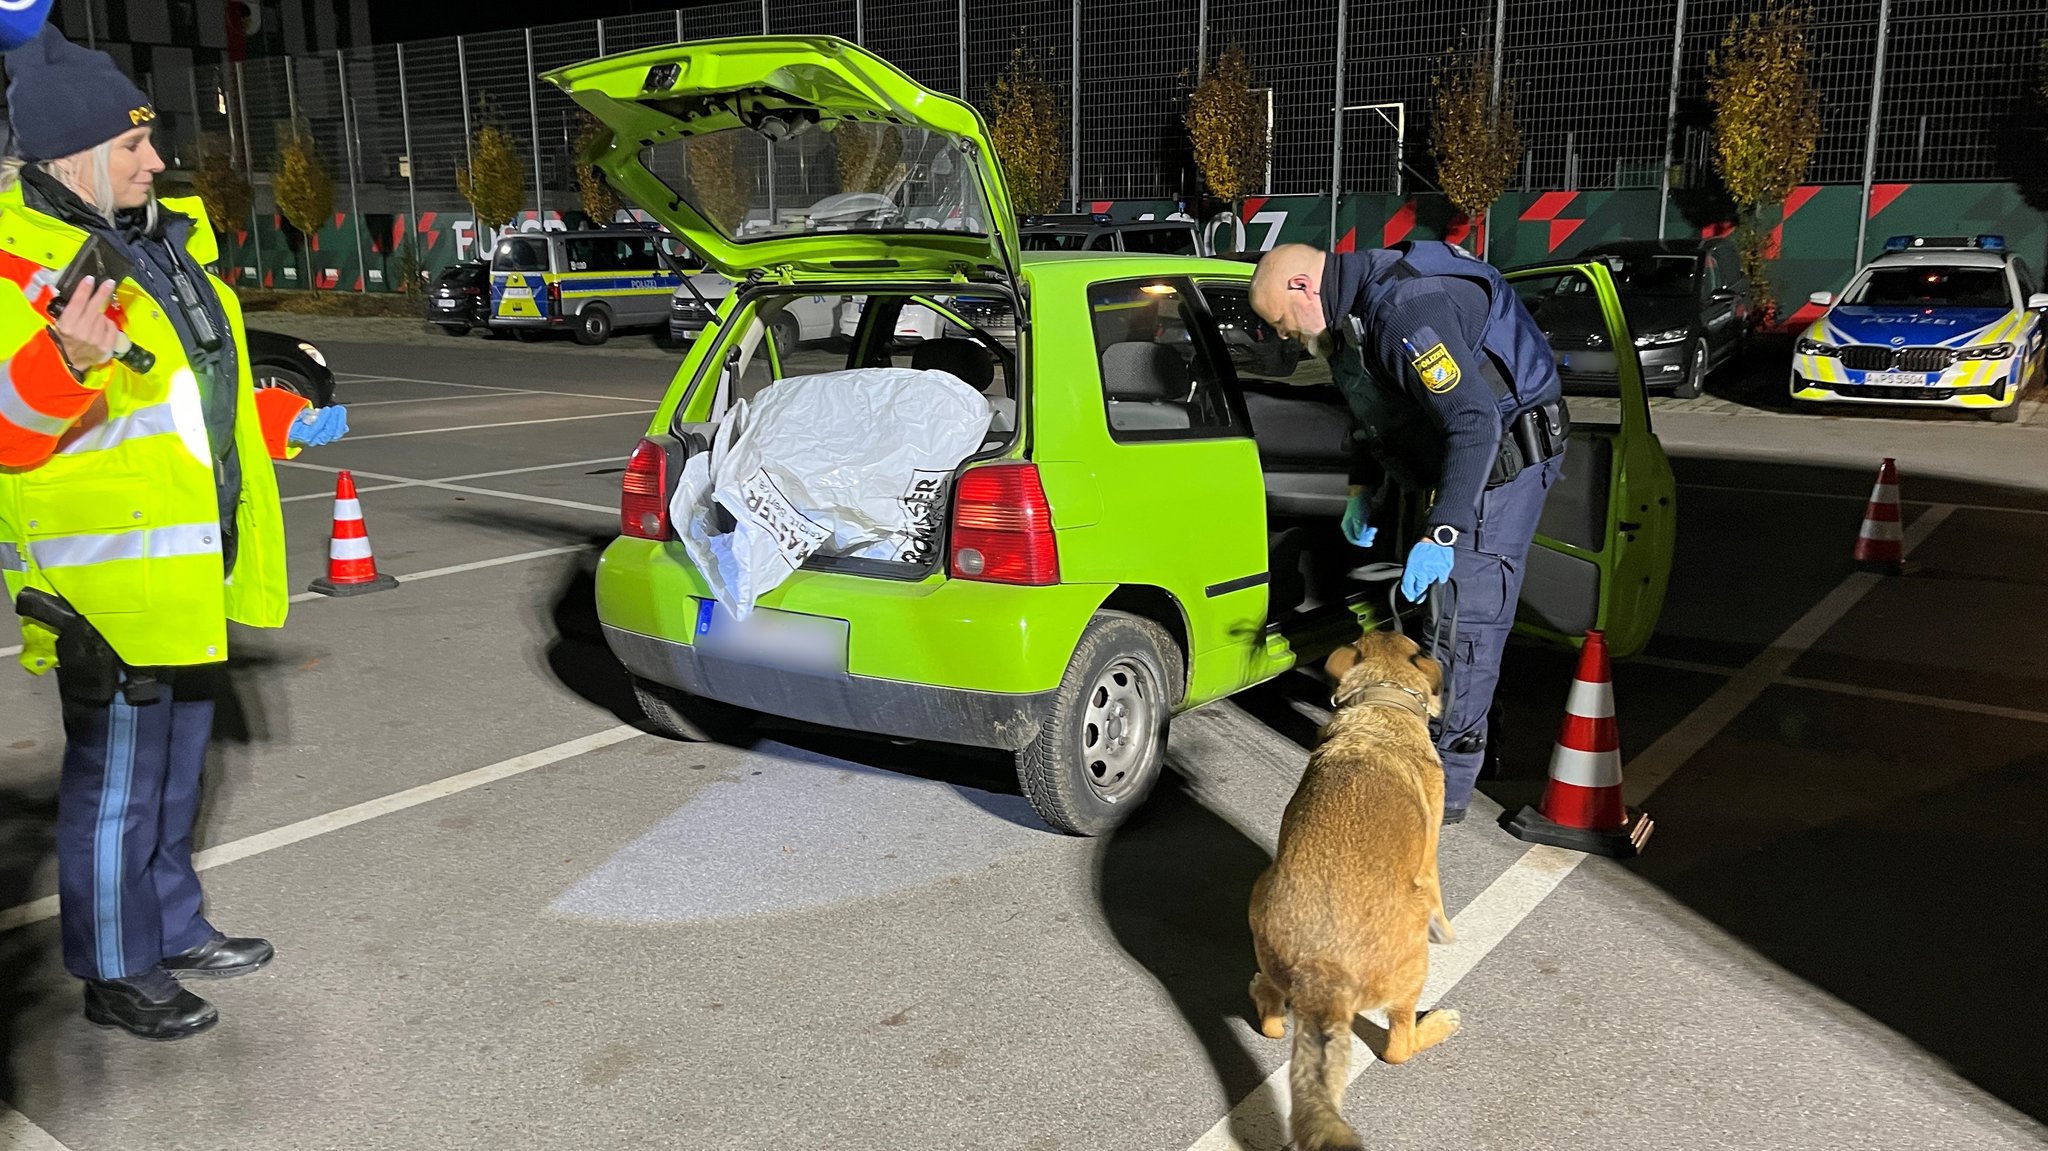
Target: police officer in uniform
(1455, 396)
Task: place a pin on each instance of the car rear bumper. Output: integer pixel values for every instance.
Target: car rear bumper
(837, 699)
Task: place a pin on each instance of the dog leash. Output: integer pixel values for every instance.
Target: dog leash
(1442, 644)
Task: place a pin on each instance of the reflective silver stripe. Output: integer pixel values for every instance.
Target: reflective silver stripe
(10, 559)
(16, 411)
(154, 420)
(142, 543)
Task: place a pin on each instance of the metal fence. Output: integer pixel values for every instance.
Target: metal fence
(1611, 93)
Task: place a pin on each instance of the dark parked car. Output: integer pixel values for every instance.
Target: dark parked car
(277, 360)
(1687, 304)
(460, 297)
(1098, 233)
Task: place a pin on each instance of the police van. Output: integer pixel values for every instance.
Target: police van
(586, 283)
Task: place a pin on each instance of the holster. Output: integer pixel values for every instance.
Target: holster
(1529, 439)
(88, 670)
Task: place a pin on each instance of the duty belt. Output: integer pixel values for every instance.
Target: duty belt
(1531, 438)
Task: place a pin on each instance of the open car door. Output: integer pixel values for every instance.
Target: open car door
(1602, 555)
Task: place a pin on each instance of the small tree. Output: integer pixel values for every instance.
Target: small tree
(869, 156)
(1473, 136)
(600, 203)
(305, 192)
(224, 190)
(1766, 125)
(1026, 127)
(494, 181)
(1226, 122)
(723, 191)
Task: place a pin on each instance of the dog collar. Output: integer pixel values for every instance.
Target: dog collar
(1384, 693)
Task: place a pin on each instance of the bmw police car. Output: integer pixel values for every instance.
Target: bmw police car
(1952, 322)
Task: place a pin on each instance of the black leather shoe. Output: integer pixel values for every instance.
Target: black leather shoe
(151, 1006)
(221, 957)
(1454, 815)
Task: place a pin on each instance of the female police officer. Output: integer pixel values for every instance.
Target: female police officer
(138, 515)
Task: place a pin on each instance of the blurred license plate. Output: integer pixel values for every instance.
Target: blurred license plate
(1895, 380)
(772, 638)
(1592, 363)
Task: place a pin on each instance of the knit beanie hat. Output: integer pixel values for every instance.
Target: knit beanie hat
(63, 99)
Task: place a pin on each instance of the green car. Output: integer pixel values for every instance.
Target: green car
(1152, 522)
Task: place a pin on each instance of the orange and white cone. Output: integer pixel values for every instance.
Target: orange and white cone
(351, 568)
(1582, 807)
(1881, 542)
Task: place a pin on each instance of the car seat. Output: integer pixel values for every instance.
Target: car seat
(973, 364)
(1148, 385)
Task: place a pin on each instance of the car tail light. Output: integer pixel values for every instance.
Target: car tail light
(1002, 527)
(554, 301)
(643, 499)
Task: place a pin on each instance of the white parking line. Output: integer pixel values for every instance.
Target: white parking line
(416, 577)
(504, 387)
(45, 908)
(492, 395)
(1835, 687)
(18, 1134)
(385, 487)
(642, 412)
(443, 485)
(1259, 1122)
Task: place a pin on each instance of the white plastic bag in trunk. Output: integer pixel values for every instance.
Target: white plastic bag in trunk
(851, 463)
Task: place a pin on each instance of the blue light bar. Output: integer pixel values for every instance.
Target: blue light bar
(1898, 243)
(1991, 243)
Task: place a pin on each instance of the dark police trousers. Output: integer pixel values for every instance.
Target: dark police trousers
(1487, 571)
(126, 803)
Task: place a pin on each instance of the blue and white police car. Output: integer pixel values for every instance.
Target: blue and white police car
(1935, 321)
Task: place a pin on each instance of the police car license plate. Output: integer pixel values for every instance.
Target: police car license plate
(772, 638)
(1895, 380)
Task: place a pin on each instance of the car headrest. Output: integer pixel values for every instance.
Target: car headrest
(963, 358)
(1143, 370)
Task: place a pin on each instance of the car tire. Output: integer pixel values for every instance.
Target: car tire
(593, 326)
(456, 330)
(788, 336)
(1103, 744)
(291, 380)
(688, 718)
(2009, 414)
(1695, 380)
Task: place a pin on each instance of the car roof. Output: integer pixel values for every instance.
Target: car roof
(1092, 266)
(1941, 257)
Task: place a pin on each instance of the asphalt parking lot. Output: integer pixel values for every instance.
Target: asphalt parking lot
(507, 917)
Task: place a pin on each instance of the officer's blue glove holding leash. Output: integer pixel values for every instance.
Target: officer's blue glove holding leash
(1429, 564)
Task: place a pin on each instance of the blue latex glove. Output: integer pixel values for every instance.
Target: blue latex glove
(317, 426)
(1356, 529)
(1429, 563)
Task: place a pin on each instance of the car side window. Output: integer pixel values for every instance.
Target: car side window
(2028, 284)
(1160, 376)
(1255, 350)
(1712, 275)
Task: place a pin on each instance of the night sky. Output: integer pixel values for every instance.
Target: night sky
(395, 20)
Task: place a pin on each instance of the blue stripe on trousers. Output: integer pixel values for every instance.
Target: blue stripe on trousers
(108, 856)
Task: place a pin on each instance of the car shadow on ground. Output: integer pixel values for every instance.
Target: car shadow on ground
(1174, 884)
(28, 833)
(1886, 854)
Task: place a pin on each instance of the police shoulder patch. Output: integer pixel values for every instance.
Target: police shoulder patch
(1439, 372)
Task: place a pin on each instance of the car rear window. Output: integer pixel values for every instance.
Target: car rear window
(520, 255)
(1160, 241)
(1934, 287)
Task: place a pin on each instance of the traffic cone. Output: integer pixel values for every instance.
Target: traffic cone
(1880, 544)
(351, 569)
(1582, 807)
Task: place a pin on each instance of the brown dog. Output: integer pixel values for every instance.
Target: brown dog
(1343, 919)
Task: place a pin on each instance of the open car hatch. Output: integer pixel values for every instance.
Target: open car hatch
(807, 155)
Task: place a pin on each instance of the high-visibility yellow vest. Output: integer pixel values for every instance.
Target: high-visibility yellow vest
(122, 521)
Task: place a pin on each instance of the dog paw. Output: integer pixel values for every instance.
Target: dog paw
(1444, 1022)
(1441, 931)
(1273, 1027)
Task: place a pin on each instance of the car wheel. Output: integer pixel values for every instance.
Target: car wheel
(787, 334)
(291, 380)
(493, 332)
(691, 719)
(1104, 742)
(1695, 380)
(2010, 413)
(593, 327)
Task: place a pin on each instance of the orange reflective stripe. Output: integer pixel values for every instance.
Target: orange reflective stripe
(39, 401)
(276, 408)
